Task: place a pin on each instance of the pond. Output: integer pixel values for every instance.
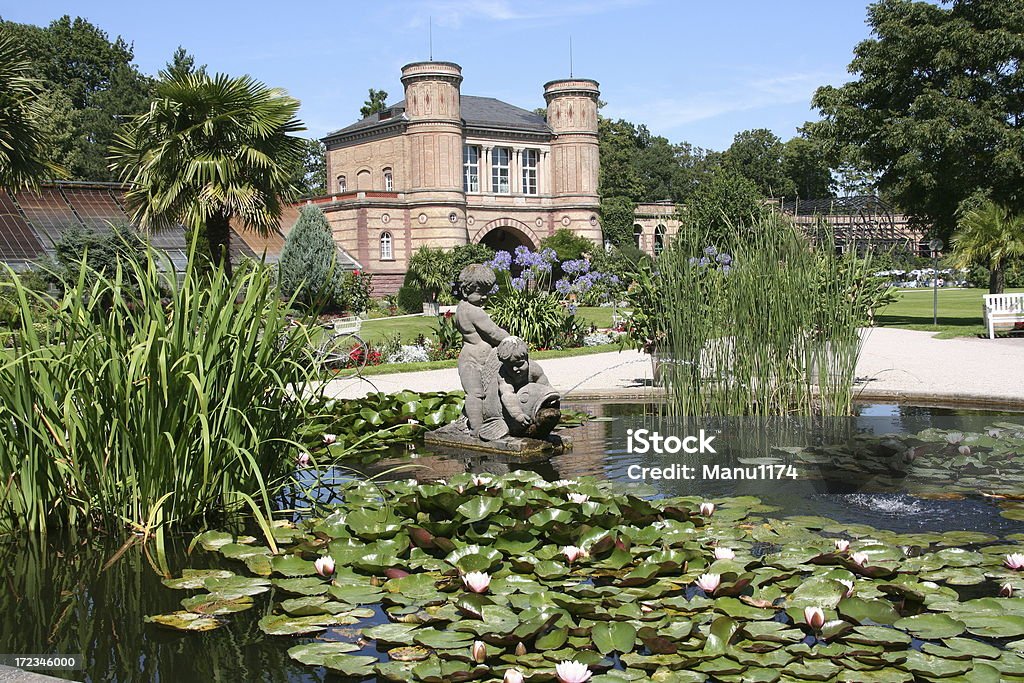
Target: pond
(65, 596)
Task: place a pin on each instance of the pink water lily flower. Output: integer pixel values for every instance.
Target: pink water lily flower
(860, 558)
(479, 651)
(303, 460)
(842, 545)
(1014, 561)
(329, 439)
(815, 617)
(572, 553)
(513, 676)
(849, 587)
(707, 509)
(572, 672)
(709, 583)
(324, 565)
(477, 581)
(580, 498)
(725, 554)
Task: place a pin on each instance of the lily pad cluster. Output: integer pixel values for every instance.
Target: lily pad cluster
(377, 421)
(933, 461)
(514, 578)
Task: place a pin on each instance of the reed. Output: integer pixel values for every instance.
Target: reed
(764, 324)
(147, 401)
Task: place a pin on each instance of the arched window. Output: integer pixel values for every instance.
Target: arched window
(638, 233)
(389, 181)
(659, 239)
(385, 247)
(363, 180)
(342, 185)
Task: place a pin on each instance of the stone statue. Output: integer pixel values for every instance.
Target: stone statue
(509, 400)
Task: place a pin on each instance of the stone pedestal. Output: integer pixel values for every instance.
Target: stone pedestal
(457, 436)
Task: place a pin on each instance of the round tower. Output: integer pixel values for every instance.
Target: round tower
(435, 138)
(575, 162)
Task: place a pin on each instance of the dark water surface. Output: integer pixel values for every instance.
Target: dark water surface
(67, 596)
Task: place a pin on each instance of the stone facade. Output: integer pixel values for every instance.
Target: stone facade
(654, 225)
(442, 169)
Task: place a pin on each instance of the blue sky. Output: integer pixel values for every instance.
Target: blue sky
(692, 70)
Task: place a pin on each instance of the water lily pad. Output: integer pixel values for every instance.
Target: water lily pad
(313, 585)
(613, 637)
(236, 586)
(292, 565)
(443, 640)
(314, 654)
(391, 634)
(194, 578)
(186, 621)
(993, 625)
(285, 625)
(878, 635)
(931, 626)
(409, 654)
(215, 603)
(213, 540)
(353, 666)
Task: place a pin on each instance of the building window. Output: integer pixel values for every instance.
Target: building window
(341, 184)
(530, 157)
(385, 247)
(500, 170)
(659, 239)
(471, 168)
(638, 233)
(389, 181)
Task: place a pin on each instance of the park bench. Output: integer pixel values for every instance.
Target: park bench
(1002, 309)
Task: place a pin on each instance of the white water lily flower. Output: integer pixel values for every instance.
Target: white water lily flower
(477, 581)
(849, 587)
(709, 583)
(329, 439)
(725, 554)
(481, 480)
(953, 438)
(1006, 590)
(815, 617)
(572, 553)
(842, 545)
(513, 676)
(303, 460)
(564, 483)
(579, 498)
(707, 509)
(478, 651)
(324, 565)
(572, 672)
(1014, 561)
(860, 558)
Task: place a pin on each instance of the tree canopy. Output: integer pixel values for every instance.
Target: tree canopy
(937, 105)
(91, 86)
(377, 101)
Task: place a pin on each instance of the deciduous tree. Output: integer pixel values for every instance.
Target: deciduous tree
(377, 101)
(937, 104)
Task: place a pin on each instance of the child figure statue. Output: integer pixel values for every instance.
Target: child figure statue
(479, 335)
(519, 400)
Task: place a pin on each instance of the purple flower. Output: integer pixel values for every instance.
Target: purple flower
(693, 260)
(572, 309)
(518, 284)
(704, 261)
(726, 269)
(563, 286)
(710, 251)
(501, 262)
(724, 258)
(494, 289)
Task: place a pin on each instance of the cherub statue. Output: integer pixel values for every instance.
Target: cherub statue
(519, 400)
(479, 334)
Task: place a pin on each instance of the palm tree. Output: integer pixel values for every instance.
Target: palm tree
(23, 146)
(209, 149)
(989, 235)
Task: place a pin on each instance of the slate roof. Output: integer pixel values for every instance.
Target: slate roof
(477, 112)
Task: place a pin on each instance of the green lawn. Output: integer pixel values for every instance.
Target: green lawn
(375, 330)
(959, 312)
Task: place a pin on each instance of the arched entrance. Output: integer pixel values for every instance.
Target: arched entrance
(505, 234)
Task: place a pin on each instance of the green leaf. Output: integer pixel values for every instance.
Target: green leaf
(616, 636)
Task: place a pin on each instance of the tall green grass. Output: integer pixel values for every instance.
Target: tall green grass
(145, 401)
(772, 332)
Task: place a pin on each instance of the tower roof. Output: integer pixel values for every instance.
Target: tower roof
(477, 112)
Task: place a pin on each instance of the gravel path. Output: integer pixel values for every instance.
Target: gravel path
(895, 364)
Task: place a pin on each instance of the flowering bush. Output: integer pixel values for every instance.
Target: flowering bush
(357, 287)
(449, 339)
(356, 354)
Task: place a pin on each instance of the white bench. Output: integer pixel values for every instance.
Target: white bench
(1000, 309)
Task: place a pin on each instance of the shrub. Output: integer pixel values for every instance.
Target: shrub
(308, 268)
(568, 245)
(429, 269)
(104, 249)
(128, 413)
(410, 297)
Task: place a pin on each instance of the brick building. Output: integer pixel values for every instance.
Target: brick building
(442, 169)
